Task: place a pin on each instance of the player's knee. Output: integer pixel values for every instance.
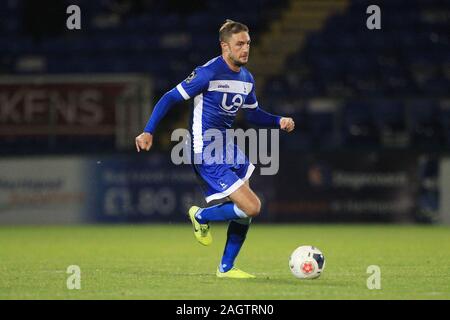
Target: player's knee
(254, 209)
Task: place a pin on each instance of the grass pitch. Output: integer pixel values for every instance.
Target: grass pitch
(165, 262)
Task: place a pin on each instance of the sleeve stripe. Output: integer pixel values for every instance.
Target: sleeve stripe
(250, 106)
(183, 92)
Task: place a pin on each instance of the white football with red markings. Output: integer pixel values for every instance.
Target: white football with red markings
(307, 262)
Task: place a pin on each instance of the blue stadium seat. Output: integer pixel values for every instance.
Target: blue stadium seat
(425, 127)
(358, 125)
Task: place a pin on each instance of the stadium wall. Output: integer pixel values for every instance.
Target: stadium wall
(444, 187)
(54, 112)
(314, 187)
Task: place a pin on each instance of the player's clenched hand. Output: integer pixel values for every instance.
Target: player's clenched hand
(287, 124)
(144, 141)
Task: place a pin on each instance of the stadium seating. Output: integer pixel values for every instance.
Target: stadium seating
(380, 74)
(386, 83)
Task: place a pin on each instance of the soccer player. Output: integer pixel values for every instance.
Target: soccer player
(220, 88)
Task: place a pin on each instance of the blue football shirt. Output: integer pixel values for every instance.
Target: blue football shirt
(218, 94)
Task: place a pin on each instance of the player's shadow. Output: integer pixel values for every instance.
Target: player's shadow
(320, 282)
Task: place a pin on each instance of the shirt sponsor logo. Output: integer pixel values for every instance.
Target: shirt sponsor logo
(236, 103)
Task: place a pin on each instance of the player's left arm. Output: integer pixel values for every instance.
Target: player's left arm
(260, 117)
(255, 115)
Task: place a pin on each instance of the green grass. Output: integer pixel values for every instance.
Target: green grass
(165, 262)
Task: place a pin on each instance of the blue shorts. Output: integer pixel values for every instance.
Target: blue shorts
(220, 180)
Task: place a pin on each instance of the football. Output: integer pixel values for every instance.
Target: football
(306, 262)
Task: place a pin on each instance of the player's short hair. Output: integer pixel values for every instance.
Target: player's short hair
(229, 28)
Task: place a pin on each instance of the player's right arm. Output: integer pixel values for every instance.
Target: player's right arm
(197, 82)
(144, 141)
